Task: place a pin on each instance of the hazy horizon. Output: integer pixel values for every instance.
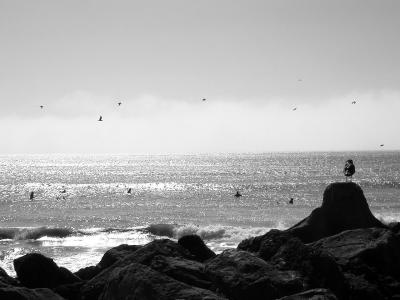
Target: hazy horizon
(254, 61)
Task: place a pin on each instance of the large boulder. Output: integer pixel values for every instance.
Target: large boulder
(242, 275)
(35, 270)
(6, 280)
(21, 293)
(195, 245)
(137, 281)
(344, 207)
(115, 254)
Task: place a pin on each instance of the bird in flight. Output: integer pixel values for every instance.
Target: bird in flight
(294, 109)
(382, 145)
(119, 103)
(41, 106)
(349, 169)
(204, 99)
(100, 119)
(354, 102)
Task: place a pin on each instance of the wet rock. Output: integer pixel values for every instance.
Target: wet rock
(88, 272)
(137, 281)
(115, 254)
(344, 207)
(242, 275)
(314, 294)
(6, 280)
(70, 291)
(21, 293)
(35, 270)
(195, 245)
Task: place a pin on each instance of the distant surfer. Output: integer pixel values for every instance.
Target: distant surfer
(63, 191)
(31, 195)
(238, 194)
(130, 191)
(100, 119)
(349, 169)
(291, 201)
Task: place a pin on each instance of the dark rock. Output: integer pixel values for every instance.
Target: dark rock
(137, 281)
(317, 266)
(35, 270)
(242, 275)
(344, 207)
(187, 271)
(115, 254)
(164, 247)
(394, 226)
(314, 294)
(21, 293)
(266, 245)
(70, 291)
(88, 272)
(361, 289)
(195, 245)
(6, 280)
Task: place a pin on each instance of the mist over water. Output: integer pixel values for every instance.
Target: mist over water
(172, 195)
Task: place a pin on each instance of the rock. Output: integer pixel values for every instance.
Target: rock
(164, 247)
(361, 289)
(242, 275)
(6, 280)
(88, 272)
(314, 294)
(35, 270)
(317, 266)
(265, 246)
(187, 271)
(21, 293)
(344, 207)
(115, 254)
(195, 245)
(70, 291)
(137, 281)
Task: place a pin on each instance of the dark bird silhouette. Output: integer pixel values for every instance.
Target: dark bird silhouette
(294, 109)
(354, 102)
(291, 201)
(63, 191)
(119, 103)
(204, 99)
(31, 195)
(41, 106)
(130, 191)
(100, 119)
(299, 79)
(382, 145)
(349, 169)
(238, 194)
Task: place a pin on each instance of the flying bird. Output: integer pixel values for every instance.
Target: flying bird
(354, 102)
(382, 145)
(294, 109)
(119, 103)
(41, 106)
(100, 119)
(204, 99)
(349, 169)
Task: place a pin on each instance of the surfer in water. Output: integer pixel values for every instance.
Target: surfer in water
(31, 195)
(238, 194)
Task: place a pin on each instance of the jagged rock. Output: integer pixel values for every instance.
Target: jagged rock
(344, 207)
(21, 293)
(137, 281)
(265, 246)
(187, 271)
(115, 254)
(6, 280)
(317, 266)
(164, 247)
(88, 272)
(242, 275)
(70, 291)
(35, 270)
(195, 245)
(314, 294)
(361, 289)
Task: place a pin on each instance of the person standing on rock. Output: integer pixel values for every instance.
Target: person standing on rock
(349, 169)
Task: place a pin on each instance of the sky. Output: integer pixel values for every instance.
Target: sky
(254, 61)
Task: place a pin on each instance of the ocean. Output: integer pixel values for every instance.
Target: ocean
(82, 206)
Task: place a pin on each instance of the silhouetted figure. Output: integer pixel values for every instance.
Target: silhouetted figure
(294, 108)
(41, 106)
(238, 194)
(130, 191)
(354, 102)
(204, 99)
(349, 169)
(119, 103)
(382, 145)
(63, 191)
(31, 195)
(100, 119)
(291, 201)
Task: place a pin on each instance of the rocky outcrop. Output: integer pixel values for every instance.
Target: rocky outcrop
(195, 245)
(344, 207)
(35, 270)
(314, 294)
(21, 293)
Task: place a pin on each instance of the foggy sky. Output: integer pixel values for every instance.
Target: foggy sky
(253, 61)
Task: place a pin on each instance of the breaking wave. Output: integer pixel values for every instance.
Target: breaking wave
(34, 233)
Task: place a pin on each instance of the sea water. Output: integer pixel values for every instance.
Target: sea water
(82, 206)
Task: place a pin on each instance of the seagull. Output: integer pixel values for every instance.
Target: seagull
(41, 106)
(130, 191)
(349, 169)
(382, 145)
(294, 109)
(204, 99)
(354, 102)
(119, 103)
(100, 119)
(291, 201)
(238, 194)
(31, 196)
